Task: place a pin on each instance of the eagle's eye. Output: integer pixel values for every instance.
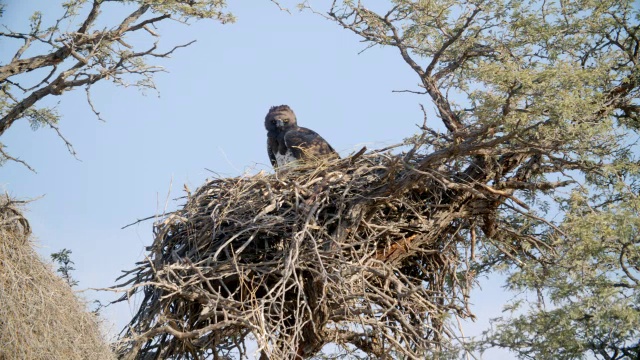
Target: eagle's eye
(286, 121)
(273, 121)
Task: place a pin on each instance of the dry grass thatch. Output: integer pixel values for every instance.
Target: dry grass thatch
(40, 317)
(367, 253)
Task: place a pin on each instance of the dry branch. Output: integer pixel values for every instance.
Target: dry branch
(74, 53)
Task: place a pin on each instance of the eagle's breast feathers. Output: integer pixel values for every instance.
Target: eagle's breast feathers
(284, 159)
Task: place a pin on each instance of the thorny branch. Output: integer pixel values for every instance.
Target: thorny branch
(84, 56)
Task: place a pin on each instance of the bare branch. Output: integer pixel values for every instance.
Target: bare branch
(280, 6)
(11, 158)
(70, 148)
(91, 17)
(93, 108)
(25, 65)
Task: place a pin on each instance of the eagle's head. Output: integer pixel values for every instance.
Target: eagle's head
(280, 119)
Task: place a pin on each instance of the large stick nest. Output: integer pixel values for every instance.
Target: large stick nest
(40, 316)
(363, 252)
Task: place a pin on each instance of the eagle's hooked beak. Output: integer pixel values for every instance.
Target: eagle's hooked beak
(279, 123)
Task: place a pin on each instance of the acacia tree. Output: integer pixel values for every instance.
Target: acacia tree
(552, 87)
(79, 58)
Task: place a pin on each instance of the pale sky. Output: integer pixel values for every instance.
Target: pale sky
(209, 115)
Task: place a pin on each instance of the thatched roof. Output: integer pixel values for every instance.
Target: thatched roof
(40, 316)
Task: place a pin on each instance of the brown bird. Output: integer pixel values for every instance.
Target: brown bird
(288, 142)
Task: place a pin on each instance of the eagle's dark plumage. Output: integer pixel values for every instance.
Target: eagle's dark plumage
(287, 142)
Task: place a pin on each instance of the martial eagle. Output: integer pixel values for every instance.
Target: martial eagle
(287, 142)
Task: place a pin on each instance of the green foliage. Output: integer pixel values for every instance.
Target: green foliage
(41, 116)
(588, 295)
(209, 9)
(592, 289)
(63, 259)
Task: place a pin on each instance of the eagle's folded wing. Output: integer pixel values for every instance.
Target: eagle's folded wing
(307, 144)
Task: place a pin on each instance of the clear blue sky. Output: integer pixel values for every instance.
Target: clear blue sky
(209, 115)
